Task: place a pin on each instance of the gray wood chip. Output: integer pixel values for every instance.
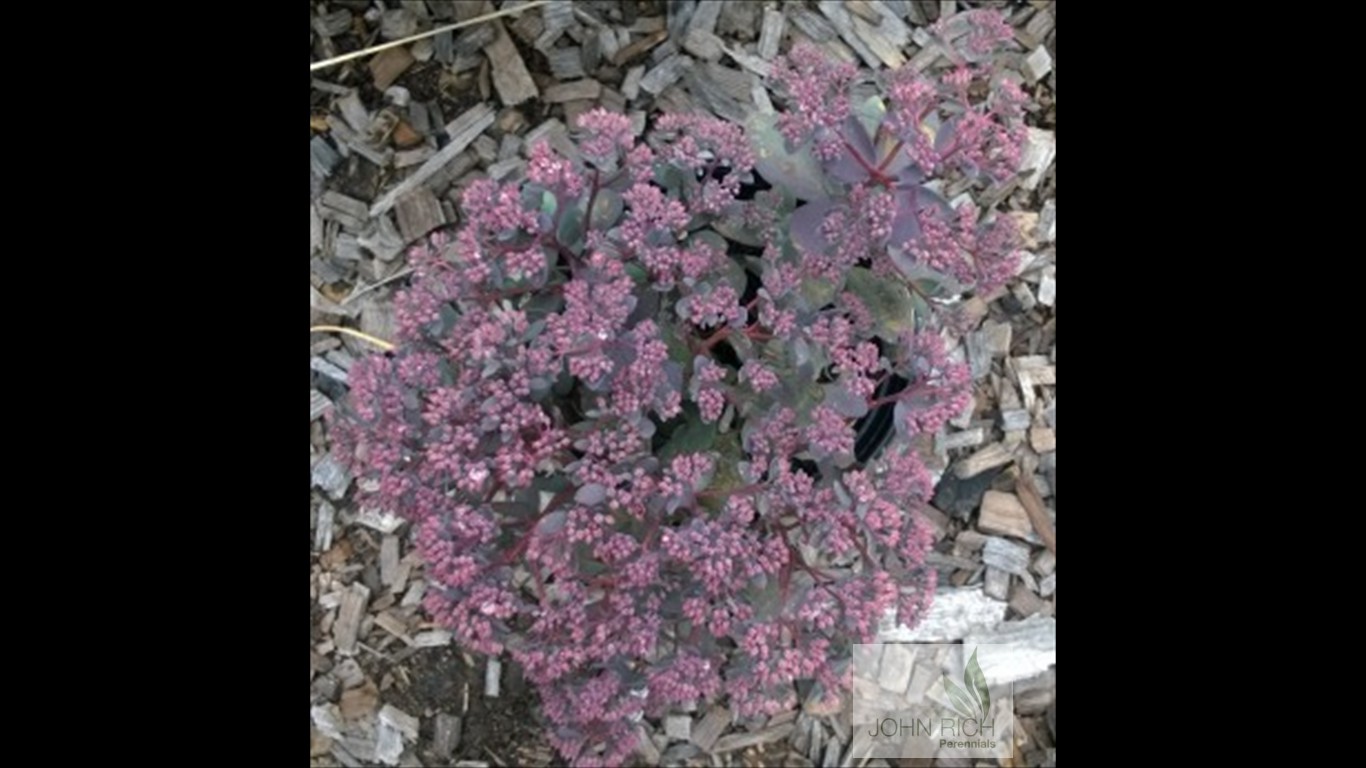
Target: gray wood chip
(331, 477)
(506, 169)
(447, 736)
(418, 213)
(322, 156)
(462, 131)
(510, 76)
(319, 405)
(395, 626)
(1031, 648)
(704, 18)
(1015, 419)
(838, 15)
(1039, 25)
(471, 40)
(1048, 290)
(1039, 150)
(566, 63)
(346, 629)
(1026, 603)
(630, 85)
(409, 157)
(737, 741)
(353, 112)
(403, 722)
(1038, 64)
(334, 23)
(432, 638)
(322, 534)
(832, 755)
(664, 74)
(894, 672)
(486, 149)
(554, 132)
(678, 727)
(388, 64)
(989, 457)
(1047, 222)
(811, 24)
(382, 238)
(578, 89)
(771, 34)
(954, 612)
(968, 438)
(705, 734)
(353, 142)
(329, 369)
(388, 560)
(348, 211)
(379, 519)
(1002, 513)
(1006, 556)
(1043, 440)
(493, 675)
(702, 44)
(397, 23)
(557, 15)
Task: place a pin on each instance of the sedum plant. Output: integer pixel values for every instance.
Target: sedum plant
(641, 424)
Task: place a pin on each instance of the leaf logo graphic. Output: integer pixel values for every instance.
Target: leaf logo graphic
(972, 701)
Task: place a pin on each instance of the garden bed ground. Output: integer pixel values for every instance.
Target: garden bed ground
(394, 139)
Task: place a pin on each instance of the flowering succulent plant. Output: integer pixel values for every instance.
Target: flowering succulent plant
(634, 418)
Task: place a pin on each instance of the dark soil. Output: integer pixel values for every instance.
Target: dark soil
(507, 730)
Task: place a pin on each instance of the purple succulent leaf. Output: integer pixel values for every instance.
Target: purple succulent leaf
(888, 301)
(806, 225)
(552, 523)
(906, 173)
(906, 225)
(858, 138)
(944, 133)
(795, 170)
(847, 167)
(607, 209)
(590, 494)
(845, 403)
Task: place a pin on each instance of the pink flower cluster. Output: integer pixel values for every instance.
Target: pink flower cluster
(874, 204)
(598, 487)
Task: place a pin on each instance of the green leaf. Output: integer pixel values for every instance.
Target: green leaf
(817, 293)
(678, 348)
(570, 232)
(607, 208)
(765, 597)
(449, 317)
(888, 301)
(671, 178)
(692, 436)
(795, 170)
(727, 475)
(733, 230)
(922, 310)
(977, 683)
(734, 272)
(870, 113)
(637, 273)
(958, 698)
